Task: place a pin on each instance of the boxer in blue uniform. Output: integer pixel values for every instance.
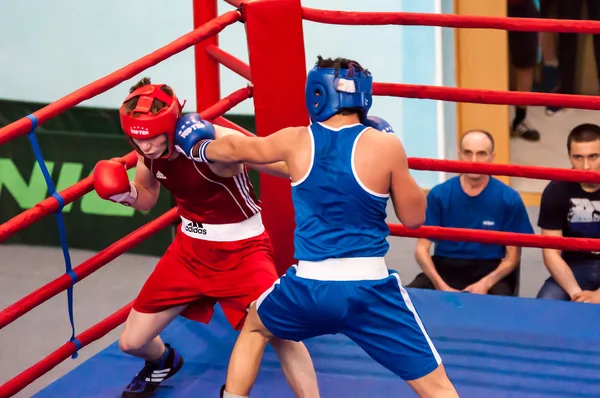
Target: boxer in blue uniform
(344, 167)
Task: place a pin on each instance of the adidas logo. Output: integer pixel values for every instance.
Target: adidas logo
(160, 175)
(195, 228)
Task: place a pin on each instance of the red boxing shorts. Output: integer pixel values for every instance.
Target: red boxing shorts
(201, 273)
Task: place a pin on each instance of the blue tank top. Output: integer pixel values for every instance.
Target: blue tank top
(336, 216)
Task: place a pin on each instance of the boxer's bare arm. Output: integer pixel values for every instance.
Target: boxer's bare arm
(147, 186)
(408, 198)
(235, 148)
(277, 169)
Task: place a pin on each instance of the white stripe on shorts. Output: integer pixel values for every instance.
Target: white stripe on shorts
(412, 309)
(269, 290)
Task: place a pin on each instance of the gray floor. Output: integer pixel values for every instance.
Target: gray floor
(38, 333)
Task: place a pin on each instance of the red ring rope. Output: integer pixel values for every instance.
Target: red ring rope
(497, 237)
(450, 21)
(229, 61)
(534, 172)
(479, 96)
(227, 103)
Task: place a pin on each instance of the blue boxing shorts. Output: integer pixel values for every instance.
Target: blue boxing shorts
(359, 298)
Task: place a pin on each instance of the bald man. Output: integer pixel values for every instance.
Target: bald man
(474, 201)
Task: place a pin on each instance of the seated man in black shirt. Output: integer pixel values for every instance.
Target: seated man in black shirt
(571, 209)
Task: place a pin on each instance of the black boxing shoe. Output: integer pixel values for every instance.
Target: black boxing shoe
(146, 382)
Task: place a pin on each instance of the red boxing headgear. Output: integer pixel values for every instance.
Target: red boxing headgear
(145, 124)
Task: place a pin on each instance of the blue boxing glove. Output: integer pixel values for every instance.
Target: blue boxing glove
(192, 135)
(378, 124)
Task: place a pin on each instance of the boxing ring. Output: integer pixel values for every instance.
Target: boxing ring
(491, 346)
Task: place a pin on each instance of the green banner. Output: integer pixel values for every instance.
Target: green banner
(70, 155)
(91, 223)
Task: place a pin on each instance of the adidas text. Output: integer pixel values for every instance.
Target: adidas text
(195, 228)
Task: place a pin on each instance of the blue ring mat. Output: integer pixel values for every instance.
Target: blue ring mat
(491, 347)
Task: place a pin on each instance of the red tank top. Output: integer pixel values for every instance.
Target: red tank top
(203, 196)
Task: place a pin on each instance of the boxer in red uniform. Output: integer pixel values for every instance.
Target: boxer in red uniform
(221, 252)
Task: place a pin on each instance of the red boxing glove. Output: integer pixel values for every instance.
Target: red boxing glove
(111, 182)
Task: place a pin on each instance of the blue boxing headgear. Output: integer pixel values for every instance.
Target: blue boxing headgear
(329, 90)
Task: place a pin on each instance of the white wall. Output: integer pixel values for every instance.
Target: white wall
(51, 48)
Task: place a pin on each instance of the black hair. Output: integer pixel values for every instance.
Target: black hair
(586, 132)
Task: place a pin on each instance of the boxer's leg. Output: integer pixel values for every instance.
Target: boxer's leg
(295, 360)
(296, 364)
(169, 290)
(246, 356)
(140, 337)
(387, 327)
(166, 293)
